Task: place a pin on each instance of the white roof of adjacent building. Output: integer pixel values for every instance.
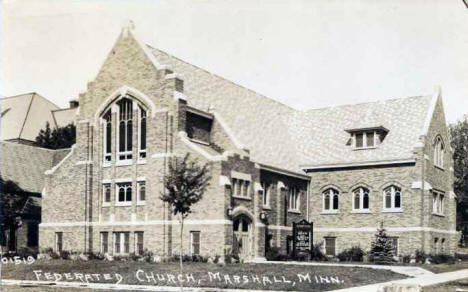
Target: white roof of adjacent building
(23, 116)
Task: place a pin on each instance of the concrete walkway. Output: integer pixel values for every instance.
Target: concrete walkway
(409, 271)
(422, 281)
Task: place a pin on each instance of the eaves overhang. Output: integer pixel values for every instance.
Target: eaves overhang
(308, 168)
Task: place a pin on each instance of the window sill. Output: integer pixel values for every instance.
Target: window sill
(106, 204)
(142, 203)
(364, 148)
(294, 211)
(439, 167)
(199, 141)
(266, 207)
(361, 212)
(324, 212)
(392, 211)
(123, 204)
(141, 161)
(242, 198)
(123, 163)
(106, 164)
(438, 214)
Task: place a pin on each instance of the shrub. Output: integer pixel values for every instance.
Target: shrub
(406, 259)
(275, 254)
(354, 254)
(147, 255)
(317, 253)
(461, 257)
(65, 255)
(420, 256)
(442, 259)
(382, 248)
(95, 256)
(25, 252)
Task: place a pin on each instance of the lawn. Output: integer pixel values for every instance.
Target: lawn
(449, 287)
(443, 268)
(240, 276)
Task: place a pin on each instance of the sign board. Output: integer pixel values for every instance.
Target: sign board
(302, 237)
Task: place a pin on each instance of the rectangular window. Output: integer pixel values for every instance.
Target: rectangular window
(141, 198)
(240, 188)
(106, 194)
(442, 245)
(394, 241)
(58, 241)
(107, 136)
(436, 244)
(121, 242)
(104, 242)
(266, 194)
(438, 202)
(195, 242)
(330, 246)
(139, 243)
(359, 140)
(293, 199)
(370, 142)
(142, 135)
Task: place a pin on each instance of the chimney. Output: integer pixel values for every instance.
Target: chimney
(74, 103)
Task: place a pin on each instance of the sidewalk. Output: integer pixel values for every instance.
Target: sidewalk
(423, 281)
(409, 271)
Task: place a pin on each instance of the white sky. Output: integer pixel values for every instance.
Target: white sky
(307, 54)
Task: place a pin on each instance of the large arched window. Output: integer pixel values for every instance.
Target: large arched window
(439, 150)
(125, 128)
(330, 200)
(361, 199)
(392, 198)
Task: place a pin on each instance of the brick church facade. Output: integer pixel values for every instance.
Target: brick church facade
(347, 169)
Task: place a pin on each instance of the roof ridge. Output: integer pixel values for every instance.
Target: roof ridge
(225, 79)
(18, 95)
(36, 147)
(364, 103)
(26, 116)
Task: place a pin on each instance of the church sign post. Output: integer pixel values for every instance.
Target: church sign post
(302, 238)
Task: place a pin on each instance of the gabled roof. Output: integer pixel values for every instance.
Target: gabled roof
(23, 116)
(258, 122)
(26, 165)
(282, 137)
(323, 132)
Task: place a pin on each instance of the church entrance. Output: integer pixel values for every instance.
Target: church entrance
(242, 241)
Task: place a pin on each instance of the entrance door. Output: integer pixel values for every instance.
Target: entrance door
(242, 239)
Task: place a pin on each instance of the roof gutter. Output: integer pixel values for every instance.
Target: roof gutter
(283, 171)
(307, 168)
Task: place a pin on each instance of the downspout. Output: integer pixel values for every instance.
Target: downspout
(308, 201)
(164, 189)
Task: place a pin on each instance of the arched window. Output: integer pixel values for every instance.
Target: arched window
(392, 198)
(124, 191)
(330, 200)
(107, 136)
(361, 199)
(142, 134)
(125, 128)
(439, 150)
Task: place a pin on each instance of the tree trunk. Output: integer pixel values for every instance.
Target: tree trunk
(181, 248)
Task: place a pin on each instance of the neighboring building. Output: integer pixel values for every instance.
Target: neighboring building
(146, 107)
(22, 117)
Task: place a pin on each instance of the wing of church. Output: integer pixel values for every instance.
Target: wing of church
(348, 169)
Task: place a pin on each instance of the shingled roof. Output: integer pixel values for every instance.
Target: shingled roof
(285, 138)
(26, 165)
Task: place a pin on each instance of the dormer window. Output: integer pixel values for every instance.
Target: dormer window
(367, 138)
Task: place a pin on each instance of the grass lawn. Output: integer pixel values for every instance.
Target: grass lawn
(48, 289)
(448, 287)
(240, 276)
